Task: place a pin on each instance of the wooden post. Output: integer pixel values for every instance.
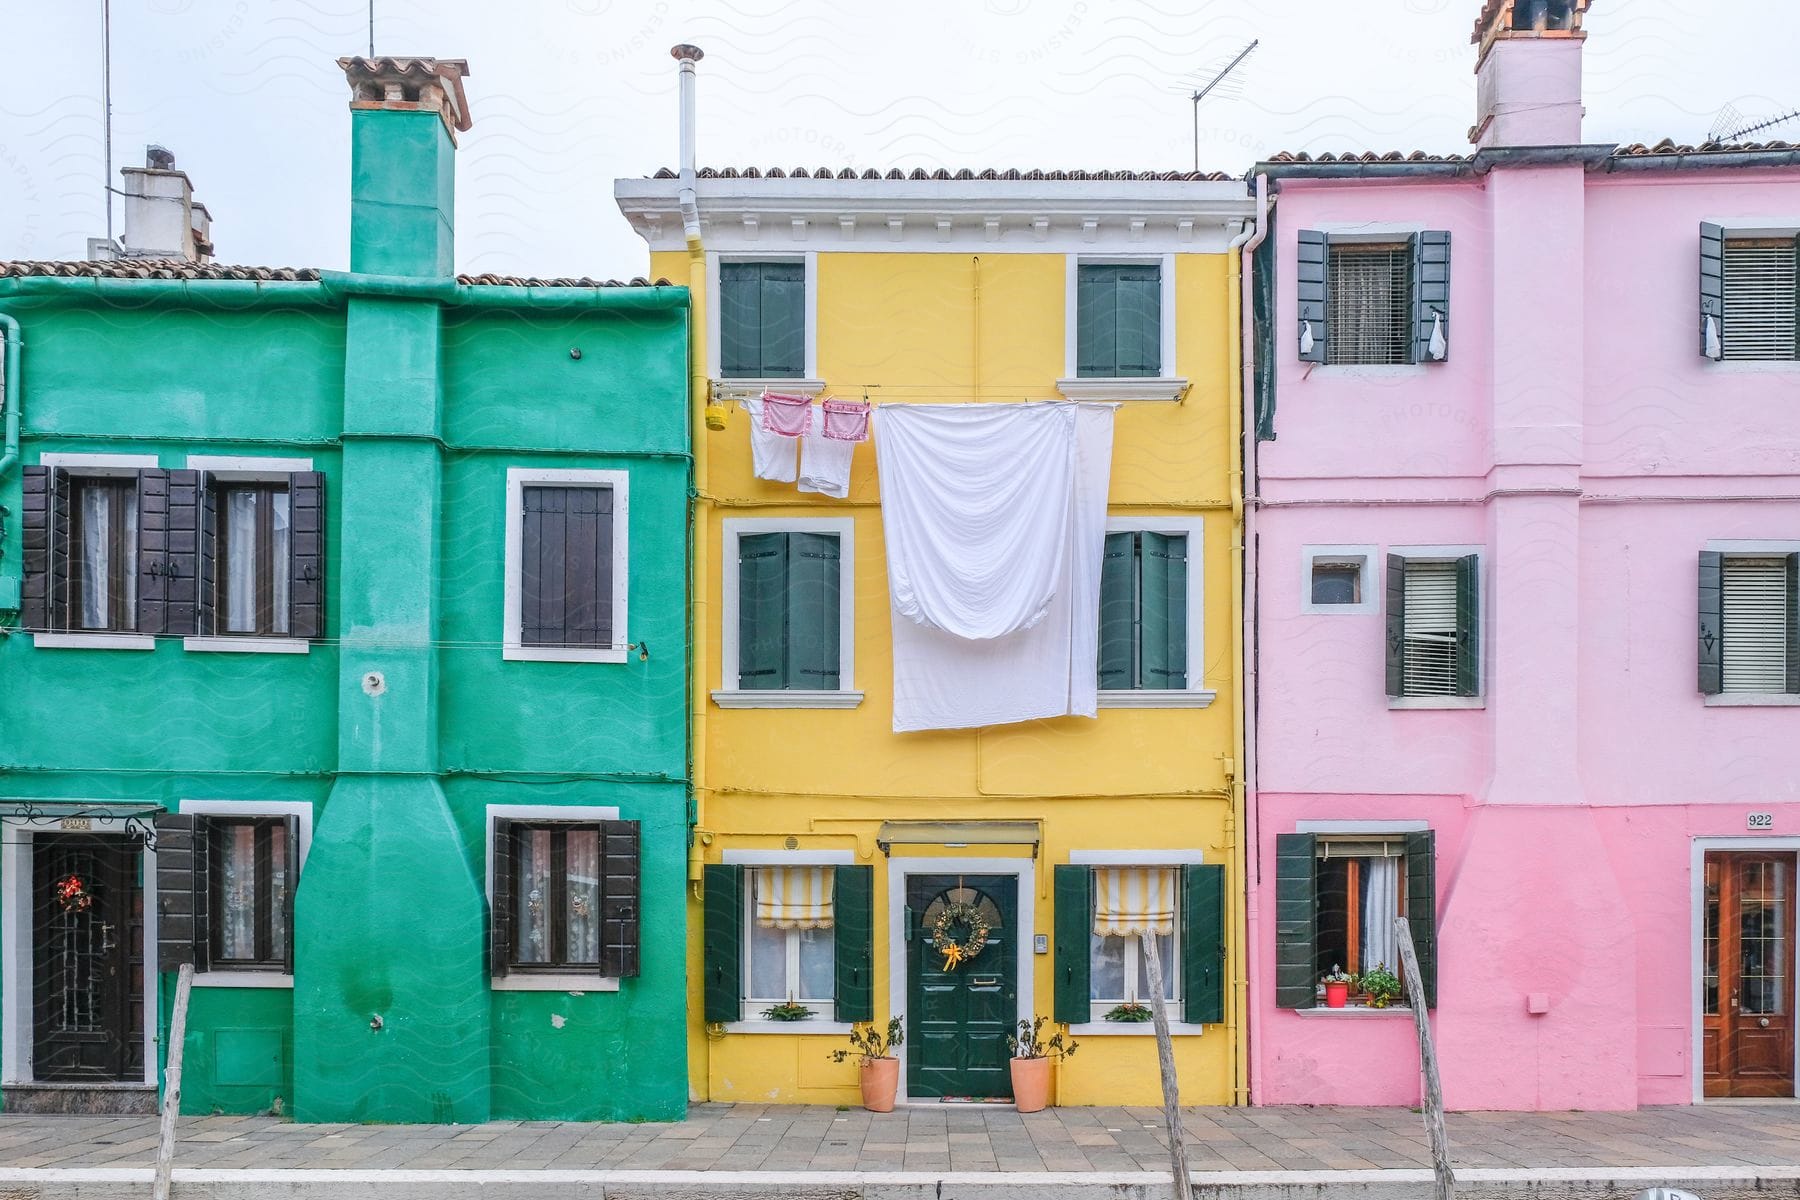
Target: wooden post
(1165, 1061)
(171, 1104)
(1433, 1107)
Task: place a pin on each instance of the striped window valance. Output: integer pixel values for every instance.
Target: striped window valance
(1132, 900)
(794, 897)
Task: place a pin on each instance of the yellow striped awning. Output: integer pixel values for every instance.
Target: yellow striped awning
(1131, 900)
(793, 897)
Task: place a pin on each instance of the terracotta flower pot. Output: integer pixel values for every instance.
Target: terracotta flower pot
(1336, 994)
(880, 1078)
(1031, 1084)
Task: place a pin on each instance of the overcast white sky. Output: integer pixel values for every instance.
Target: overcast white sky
(568, 94)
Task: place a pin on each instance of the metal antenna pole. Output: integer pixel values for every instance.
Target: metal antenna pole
(106, 111)
(371, 28)
(1213, 83)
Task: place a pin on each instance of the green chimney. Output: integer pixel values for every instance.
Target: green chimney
(405, 114)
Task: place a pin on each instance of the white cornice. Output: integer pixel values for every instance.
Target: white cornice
(996, 216)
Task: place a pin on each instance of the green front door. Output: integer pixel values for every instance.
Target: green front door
(957, 1019)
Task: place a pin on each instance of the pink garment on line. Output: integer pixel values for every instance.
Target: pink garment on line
(846, 420)
(789, 416)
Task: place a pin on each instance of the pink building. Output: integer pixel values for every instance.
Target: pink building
(1528, 657)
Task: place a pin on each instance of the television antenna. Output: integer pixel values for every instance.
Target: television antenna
(1218, 79)
(1730, 125)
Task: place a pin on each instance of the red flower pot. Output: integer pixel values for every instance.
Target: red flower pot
(1336, 994)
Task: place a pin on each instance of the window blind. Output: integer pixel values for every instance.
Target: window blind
(1430, 630)
(1760, 282)
(1369, 314)
(1755, 610)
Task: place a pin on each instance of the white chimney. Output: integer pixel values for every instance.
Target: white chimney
(687, 56)
(1528, 73)
(162, 219)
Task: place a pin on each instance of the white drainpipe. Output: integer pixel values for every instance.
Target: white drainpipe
(1252, 501)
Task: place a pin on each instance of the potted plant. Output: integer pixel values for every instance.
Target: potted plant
(1130, 1013)
(1337, 987)
(1031, 1063)
(880, 1069)
(787, 1012)
(1380, 985)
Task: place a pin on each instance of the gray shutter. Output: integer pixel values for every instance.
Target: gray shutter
(501, 918)
(306, 558)
(1203, 912)
(722, 942)
(183, 934)
(1118, 612)
(1430, 291)
(1793, 623)
(542, 621)
(783, 329)
(1712, 281)
(1162, 616)
(853, 917)
(762, 611)
(1072, 920)
(740, 320)
(1712, 624)
(621, 885)
(206, 562)
(1096, 323)
(1421, 907)
(1137, 303)
(38, 502)
(152, 564)
(1396, 625)
(1311, 252)
(1296, 920)
(812, 611)
(1468, 625)
(587, 559)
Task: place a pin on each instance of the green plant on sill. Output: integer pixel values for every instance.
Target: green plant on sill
(1337, 975)
(788, 1012)
(1129, 1013)
(868, 1044)
(1381, 985)
(1030, 1044)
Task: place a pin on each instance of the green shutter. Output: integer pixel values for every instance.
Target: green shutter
(1793, 623)
(1096, 323)
(783, 332)
(1162, 628)
(1468, 625)
(1712, 627)
(762, 610)
(740, 320)
(722, 933)
(1421, 907)
(1396, 625)
(1712, 288)
(1203, 944)
(1137, 303)
(812, 611)
(1118, 611)
(1311, 253)
(1072, 996)
(1430, 292)
(853, 903)
(1296, 917)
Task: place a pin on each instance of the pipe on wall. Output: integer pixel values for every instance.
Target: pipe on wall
(1247, 1045)
(11, 399)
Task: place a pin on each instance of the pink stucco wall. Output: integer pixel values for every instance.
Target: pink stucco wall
(1580, 441)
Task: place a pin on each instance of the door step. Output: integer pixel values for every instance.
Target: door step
(80, 1099)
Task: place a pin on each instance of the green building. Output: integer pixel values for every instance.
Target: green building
(344, 656)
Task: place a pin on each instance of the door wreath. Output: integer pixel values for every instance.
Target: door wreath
(958, 950)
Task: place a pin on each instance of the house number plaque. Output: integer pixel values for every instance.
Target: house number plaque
(1760, 821)
(78, 824)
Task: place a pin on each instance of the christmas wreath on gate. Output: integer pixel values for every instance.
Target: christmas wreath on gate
(957, 950)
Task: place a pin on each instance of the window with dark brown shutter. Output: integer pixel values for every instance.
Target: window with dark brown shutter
(566, 897)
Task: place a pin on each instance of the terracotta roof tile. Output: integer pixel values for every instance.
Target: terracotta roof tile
(165, 268)
(1367, 156)
(1669, 146)
(946, 174)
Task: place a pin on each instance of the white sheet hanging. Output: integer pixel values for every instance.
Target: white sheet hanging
(772, 456)
(825, 463)
(1031, 654)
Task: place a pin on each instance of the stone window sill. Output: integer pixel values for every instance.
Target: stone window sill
(1127, 388)
(1357, 1011)
(781, 698)
(812, 1025)
(1147, 698)
(93, 641)
(561, 654)
(1104, 1028)
(243, 979)
(1752, 700)
(246, 645)
(553, 983)
(1403, 703)
(750, 389)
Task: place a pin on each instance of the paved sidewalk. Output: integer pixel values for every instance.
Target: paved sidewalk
(936, 1140)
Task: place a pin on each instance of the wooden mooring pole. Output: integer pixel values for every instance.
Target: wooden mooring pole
(1165, 1061)
(171, 1104)
(1433, 1106)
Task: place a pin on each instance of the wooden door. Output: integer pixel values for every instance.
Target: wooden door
(87, 951)
(957, 1020)
(1748, 981)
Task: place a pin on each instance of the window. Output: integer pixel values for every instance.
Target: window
(1337, 896)
(1376, 301)
(1336, 583)
(102, 554)
(1104, 902)
(254, 550)
(565, 568)
(1433, 626)
(1749, 292)
(1144, 611)
(564, 897)
(1120, 973)
(1118, 320)
(762, 320)
(251, 916)
(1749, 628)
(789, 614)
(791, 949)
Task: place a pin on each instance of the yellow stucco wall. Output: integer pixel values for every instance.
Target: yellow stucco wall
(907, 326)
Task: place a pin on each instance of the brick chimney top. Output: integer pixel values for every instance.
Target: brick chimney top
(1504, 19)
(411, 85)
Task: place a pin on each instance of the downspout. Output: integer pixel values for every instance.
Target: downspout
(1246, 644)
(699, 624)
(9, 455)
(1233, 318)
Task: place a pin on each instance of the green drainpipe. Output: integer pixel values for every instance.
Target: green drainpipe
(10, 576)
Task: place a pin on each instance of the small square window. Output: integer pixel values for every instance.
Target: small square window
(1336, 582)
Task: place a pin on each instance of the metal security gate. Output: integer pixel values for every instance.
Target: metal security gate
(87, 951)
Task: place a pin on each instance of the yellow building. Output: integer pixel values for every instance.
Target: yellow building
(826, 845)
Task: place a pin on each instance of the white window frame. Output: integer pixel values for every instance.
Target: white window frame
(1097, 1025)
(729, 695)
(739, 387)
(511, 633)
(1435, 553)
(1166, 385)
(1755, 548)
(1362, 557)
(101, 466)
(1195, 694)
(753, 1021)
(543, 981)
(231, 468)
(824, 1011)
(1736, 228)
(301, 809)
